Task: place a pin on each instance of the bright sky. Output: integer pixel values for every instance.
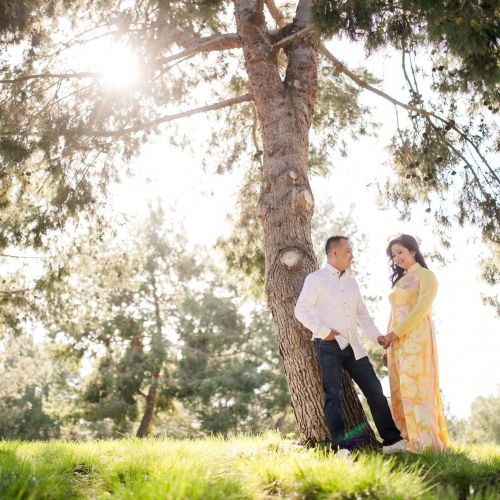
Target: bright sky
(468, 332)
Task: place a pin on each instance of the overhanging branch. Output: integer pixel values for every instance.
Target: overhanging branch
(85, 132)
(153, 123)
(362, 83)
(420, 111)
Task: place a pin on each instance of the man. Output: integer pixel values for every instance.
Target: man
(330, 306)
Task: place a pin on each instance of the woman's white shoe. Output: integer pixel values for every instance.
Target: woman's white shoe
(343, 453)
(398, 447)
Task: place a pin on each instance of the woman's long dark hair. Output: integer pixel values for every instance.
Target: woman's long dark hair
(410, 243)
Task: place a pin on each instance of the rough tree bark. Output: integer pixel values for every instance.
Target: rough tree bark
(285, 109)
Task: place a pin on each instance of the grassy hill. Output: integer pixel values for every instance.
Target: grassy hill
(244, 467)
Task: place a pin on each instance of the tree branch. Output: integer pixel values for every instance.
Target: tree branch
(209, 44)
(214, 43)
(141, 126)
(14, 292)
(259, 6)
(303, 13)
(76, 39)
(281, 23)
(63, 76)
(21, 256)
(300, 34)
(462, 157)
(172, 34)
(417, 97)
(275, 13)
(360, 82)
(427, 114)
(229, 41)
(158, 121)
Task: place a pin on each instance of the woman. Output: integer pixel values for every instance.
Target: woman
(412, 356)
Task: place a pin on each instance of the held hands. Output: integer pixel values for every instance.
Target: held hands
(386, 340)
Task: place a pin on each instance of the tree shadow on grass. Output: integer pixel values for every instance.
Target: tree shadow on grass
(456, 474)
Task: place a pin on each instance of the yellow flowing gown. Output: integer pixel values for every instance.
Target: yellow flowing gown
(412, 363)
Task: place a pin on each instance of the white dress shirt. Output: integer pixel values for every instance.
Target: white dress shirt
(331, 300)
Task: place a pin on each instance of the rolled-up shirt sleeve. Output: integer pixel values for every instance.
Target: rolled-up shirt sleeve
(365, 321)
(304, 309)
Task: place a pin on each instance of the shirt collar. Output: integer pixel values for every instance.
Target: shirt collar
(333, 270)
(413, 267)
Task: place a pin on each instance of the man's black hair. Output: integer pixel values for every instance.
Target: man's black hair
(333, 241)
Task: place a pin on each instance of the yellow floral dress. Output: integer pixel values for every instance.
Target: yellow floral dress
(412, 362)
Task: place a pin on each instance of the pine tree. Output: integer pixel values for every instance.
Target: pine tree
(64, 130)
(116, 304)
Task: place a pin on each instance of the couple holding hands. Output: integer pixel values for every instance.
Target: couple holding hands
(331, 307)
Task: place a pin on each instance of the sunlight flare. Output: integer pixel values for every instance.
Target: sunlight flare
(118, 66)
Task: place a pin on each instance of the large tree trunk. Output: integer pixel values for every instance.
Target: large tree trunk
(285, 109)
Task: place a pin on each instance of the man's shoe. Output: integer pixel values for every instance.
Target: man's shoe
(398, 447)
(343, 453)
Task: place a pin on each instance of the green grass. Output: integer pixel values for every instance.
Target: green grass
(238, 468)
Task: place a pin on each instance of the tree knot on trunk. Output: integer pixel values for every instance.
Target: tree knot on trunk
(290, 258)
(303, 200)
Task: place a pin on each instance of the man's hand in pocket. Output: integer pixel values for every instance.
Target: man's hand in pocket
(331, 336)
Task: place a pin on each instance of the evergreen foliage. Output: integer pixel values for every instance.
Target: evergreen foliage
(451, 46)
(64, 130)
(66, 135)
(483, 426)
(465, 30)
(119, 300)
(229, 373)
(28, 379)
(146, 317)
